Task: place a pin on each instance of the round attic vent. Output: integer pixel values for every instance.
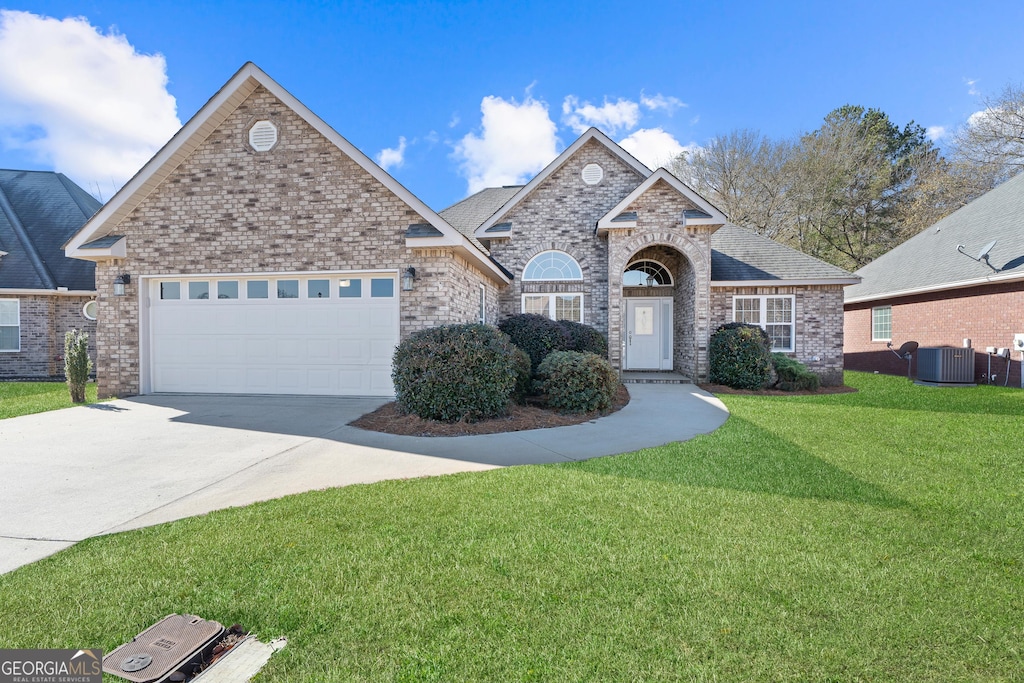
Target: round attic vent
(263, 136)
(592, 174)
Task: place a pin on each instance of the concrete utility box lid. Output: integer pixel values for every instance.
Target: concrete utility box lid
(162, 648)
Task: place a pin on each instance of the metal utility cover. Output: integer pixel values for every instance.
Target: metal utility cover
(162, 648)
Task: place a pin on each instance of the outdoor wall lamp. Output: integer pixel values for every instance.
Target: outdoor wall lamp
(119, 282)
(407, 279)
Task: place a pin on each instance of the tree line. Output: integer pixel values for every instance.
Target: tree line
(858, 185)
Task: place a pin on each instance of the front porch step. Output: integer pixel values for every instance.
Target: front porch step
(654, 377)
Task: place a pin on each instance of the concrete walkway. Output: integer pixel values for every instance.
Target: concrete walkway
(71, 474)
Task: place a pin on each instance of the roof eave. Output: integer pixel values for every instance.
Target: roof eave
(943, 287)
(792, 282)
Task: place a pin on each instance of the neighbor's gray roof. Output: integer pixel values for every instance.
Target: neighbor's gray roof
(930, 260)
(39, 212)
(739, 254)
(469, 214)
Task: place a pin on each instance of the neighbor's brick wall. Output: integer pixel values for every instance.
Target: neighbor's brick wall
(988, 316)
(302, 206)
(44, 320)
(562, 214)
(818, 314)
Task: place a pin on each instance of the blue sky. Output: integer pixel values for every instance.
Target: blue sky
(487, 92)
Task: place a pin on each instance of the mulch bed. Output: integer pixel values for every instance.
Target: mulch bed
(722, 389)
(390, 420)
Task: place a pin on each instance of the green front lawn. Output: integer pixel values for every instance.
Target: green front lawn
(25, 398)
(876, 536)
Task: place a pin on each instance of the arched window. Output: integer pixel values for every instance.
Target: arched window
(646, 274)
(552, 265)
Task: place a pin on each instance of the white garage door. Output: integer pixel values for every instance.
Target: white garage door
(289, 334)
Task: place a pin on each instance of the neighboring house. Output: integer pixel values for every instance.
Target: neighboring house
(43, 294)
(933, 288)
(263, 253)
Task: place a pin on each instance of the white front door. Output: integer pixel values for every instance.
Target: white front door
(648, 334)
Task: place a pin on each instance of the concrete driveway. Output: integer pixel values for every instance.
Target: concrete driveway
(71, 474)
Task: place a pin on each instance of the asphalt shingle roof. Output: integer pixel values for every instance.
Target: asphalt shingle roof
(930, 259)
(469, 214)
(39, 212)
(739, 254)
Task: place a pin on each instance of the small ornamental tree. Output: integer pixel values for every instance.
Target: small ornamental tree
(77, 364)
(456, 372)
(741, 356)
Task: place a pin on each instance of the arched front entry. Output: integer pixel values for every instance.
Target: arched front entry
(658, 305)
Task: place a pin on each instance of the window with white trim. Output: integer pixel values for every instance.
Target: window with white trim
(552, 265)
(10, 325)
(555, 306)
(483, 305)
(881, 323)
(773, 314)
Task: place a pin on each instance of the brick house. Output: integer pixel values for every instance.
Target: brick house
(263, 253)
(936, 290)
(43, 294)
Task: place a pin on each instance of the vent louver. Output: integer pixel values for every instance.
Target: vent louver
(263, 136)
(592, 174)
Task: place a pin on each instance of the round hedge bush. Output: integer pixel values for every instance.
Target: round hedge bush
(537, 335)
(456, 372)
(577, 382)
(584, 338)
(524, 374)
(741, 356)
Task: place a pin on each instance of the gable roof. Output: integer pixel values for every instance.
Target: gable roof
(39, 211)
(618, 218)
(929, 261)
(525, 190)
(740, 257)
(208, 119)
(466, 215)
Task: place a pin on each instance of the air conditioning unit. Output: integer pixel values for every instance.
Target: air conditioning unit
(945, 364)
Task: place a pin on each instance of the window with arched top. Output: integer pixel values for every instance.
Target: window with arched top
(646, 274)
(552, 265)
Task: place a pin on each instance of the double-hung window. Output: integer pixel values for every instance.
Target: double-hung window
(881, 323)
(773, 314)
(10, 325)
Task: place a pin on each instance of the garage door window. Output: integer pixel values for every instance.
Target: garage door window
(257, 289)
(227, 289)
(318, 289)
(351, 288)
(287, 289)
(382, 288)
(199, 290)
(170, 290)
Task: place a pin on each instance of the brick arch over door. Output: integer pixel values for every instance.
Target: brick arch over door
(691, 322)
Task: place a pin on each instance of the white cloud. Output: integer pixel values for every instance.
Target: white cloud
(971, 90)
(392, 157)
(454, 120)
(610, 116)
(936, 132)
(516, 141)
(654, 147)
(83, 101)
(979, 116)
(659, 101)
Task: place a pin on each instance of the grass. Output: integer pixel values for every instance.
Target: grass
(874, 536)
(25, 398)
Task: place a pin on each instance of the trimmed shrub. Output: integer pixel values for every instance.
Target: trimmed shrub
(537, 335)
(524, 376)
(584, 338)
(77, 364)
(741, 356)
(793, 375)
(455, 372)
(577, 382)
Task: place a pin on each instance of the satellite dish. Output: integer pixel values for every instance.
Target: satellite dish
(983, 254)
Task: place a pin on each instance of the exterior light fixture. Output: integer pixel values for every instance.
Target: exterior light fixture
(651, 280)
(119, 282)
(408, 277)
